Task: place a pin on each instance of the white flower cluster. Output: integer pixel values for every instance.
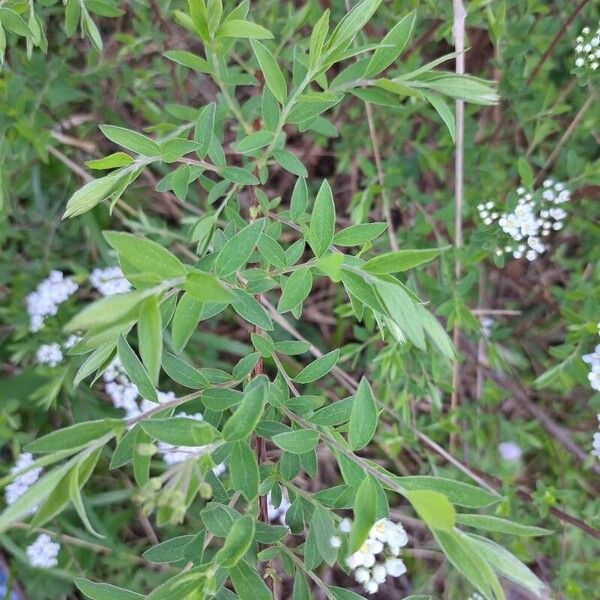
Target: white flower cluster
(535, 216)
(52, 354)
(593, 359)
(109, 281)
(588, 49)
(47, 297)
(377, 558)
(16, 488)
(43, 552)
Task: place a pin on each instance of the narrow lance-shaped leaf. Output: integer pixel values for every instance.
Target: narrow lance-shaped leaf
(364, 513)
(322, 221)
(391, 45)
(150, 337)
(135, 370)
(363, 419)
(272, 73)
(236, 251)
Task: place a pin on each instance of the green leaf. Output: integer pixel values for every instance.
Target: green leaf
(180, 181)
(365, 505)
(112, 161)
(318, 368)
(199, 16)
(237, 542)
(218, 518)
(239, 176)
(401, 260)
(74, 436)
(271, 251)
(250, 310)
(183, 373)
(357, 235)
(443, 110)
(292, 347)
(296, 289)
(317, 38)
(525, 172)
(92, 193)
(244, 420)
(465, 88)
(507, 565)
(14, 22)
(79, 475)
(272, 73)
(204, 130)
(180, 431)
(185, 320)
(105, 311)
(351, 24)
(206, 288)
(290, 162)
(403, 311)
(391, 45)
(243, 467)
(364, 416)
(135, 370)
(321, 525)
(237, 28)
(248, 584)
(131, 140)
(299, 199)
(300, 591)
(467, 560)
(498, 525)
(322, 221)
(150, 337)
(457, 492)
(174, 149)
(237, 250)
(254, 141)
(145, 255)
(104, 591)
(433, 508)
(188, 59)
(297, 442)
(169, 551)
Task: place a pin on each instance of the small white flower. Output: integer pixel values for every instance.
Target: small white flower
(345, 525)
(594, 378)
(510, 451)
(395, 567)
(371, 587)
(579, 62)
(335, 541)
(43, 552)
(361, 575)
(379, 573)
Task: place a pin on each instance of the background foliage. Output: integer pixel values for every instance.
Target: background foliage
(218, 212)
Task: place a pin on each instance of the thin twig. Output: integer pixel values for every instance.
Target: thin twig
(459, 45)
